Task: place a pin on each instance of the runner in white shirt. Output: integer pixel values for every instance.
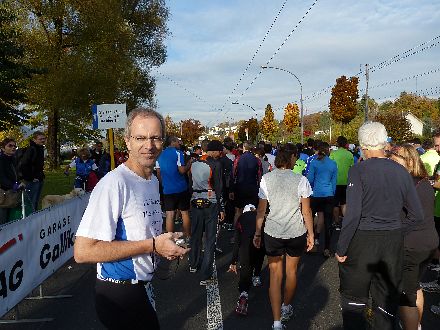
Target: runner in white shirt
(121, 230)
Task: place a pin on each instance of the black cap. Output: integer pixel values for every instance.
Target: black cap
(215, 145)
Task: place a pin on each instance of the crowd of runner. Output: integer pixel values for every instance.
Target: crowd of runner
(245, 187)
(281, 202)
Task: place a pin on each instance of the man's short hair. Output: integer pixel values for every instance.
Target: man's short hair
(37, 134)
(204, 145)
(267, 148)
(428, 144)
(248, 145)
(143, 112)
(372, 135)
(171, 139)
(341, 141)
(229, 145)
(436, 133)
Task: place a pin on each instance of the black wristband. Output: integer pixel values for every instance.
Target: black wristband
(154, 245)
(257, 235)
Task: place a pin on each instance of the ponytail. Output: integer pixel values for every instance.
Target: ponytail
(323, 150)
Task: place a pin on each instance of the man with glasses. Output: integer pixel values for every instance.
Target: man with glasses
(30, 167)
(171, 171)
(121, 229)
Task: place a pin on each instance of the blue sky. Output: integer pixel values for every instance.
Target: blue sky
(212, 42)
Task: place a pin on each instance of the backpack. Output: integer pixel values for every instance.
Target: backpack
(19, 153)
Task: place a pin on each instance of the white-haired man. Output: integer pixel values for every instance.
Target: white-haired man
(121, 229)
(370, 247)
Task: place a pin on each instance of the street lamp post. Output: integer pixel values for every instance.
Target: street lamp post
(301, 87)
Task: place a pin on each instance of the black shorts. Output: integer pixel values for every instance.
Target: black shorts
(179, 201)
(124, 306)
(243, 197)
(341, 195)
(276, 247)
(323, 204)
(414, 266)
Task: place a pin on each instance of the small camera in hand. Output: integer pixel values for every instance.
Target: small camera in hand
(182, 242)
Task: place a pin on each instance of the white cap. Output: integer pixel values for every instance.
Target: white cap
(249, 207)
(351, 147)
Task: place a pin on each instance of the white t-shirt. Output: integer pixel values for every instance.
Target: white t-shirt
(284, 189)
(124, 206)
(271, 160)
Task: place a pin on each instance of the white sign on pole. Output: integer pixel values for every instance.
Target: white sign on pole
(109, 116)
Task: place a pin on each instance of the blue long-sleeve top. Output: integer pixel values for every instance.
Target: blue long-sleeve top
(322, 177)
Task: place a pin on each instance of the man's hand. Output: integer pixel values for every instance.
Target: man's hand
(340, 259)
(166, 246)
(222, 216)
(257, 241)
(232, 268)
(231, 196)
(310, 242)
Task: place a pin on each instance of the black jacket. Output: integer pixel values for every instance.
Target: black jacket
(31, 164)
(7, 172)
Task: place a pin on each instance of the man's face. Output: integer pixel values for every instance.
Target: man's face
(437, 144)
(40, 140)
(98, 147)
(145, 143)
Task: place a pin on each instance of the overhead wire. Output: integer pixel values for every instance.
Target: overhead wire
(396, 58)
(403, 79)
(275, 53)
(255, 54)
(182, 87)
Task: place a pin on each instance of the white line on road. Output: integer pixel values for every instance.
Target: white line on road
(214, 306)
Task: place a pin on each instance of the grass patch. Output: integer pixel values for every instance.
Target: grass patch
(56, 183)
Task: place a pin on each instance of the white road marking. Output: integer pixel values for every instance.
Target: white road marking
(214, 306)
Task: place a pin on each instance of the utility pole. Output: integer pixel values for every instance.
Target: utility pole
(367, 77)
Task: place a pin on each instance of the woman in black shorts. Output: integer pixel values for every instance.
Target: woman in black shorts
(420, 241)
(288, 230)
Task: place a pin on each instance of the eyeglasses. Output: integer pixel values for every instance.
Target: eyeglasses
(11, 145)
(156, 140)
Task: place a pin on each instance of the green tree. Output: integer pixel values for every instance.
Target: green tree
(398, 127)
(251, 126)
(13, 71)
(268, 125)
(171, 127)
(192, 129)
(343, 107)
(93, 52)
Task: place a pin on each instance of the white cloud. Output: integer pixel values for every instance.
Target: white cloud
(213, 41)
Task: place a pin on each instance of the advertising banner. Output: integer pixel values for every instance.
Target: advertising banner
(34, 248)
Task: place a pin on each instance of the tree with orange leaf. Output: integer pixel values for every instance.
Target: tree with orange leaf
(343, 107)
(291, 117)
(268, 125)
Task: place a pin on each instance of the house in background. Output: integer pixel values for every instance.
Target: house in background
(416, 124)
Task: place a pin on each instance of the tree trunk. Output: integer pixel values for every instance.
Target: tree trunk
(52, 139)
